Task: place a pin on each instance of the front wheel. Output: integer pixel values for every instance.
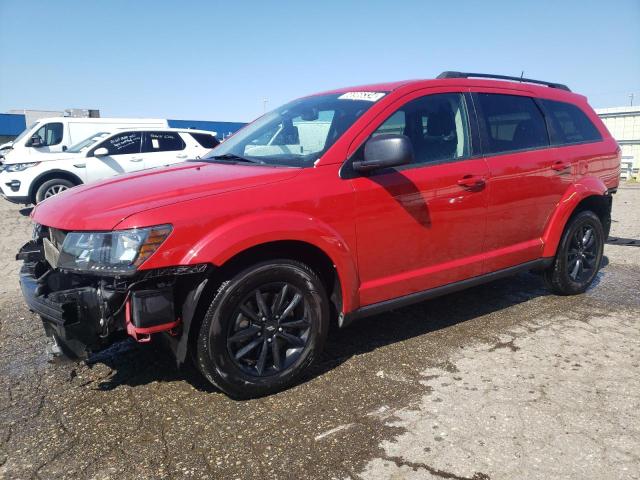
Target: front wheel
(264, 327)
(579, 255)
(52, 187)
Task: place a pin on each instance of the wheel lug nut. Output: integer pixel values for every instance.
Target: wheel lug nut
(259, 334)
(280, 329)
(269, 340)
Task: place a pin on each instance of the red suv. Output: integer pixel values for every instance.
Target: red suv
(335, 206)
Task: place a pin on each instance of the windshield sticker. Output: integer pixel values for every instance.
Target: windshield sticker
(367, 96)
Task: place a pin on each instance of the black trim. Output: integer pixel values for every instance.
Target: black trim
(449, 74)
(476, 138)
(18, 200)
(417, 297)
(552, 132)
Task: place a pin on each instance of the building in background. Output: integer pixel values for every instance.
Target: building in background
(31, 116)
(10, 126)
(624, 125)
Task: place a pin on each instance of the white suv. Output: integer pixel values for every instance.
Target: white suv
(100, 156)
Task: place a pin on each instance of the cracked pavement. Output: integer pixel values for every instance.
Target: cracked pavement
(503, 381)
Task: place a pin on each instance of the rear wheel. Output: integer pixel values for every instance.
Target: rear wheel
(264, 327)
(52, 187)
(578, 257)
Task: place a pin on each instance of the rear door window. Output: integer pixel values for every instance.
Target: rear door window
(512, 123)
(571, 123)
(163, 142)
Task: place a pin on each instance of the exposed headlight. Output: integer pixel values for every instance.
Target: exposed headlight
(116, 252)
(18, 167)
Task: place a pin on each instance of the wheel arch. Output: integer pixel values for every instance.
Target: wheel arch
(50, 175)
(287, 234)
(307, 253)
(311, 255)
(589, 194)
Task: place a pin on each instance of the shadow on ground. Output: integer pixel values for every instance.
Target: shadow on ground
(139, 364)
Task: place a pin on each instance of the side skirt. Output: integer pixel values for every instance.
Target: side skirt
(417, 297)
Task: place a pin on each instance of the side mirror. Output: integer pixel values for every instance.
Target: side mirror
(100, 152)
(384, 151)
(35, 141)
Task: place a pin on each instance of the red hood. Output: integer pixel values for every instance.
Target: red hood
(103, 205)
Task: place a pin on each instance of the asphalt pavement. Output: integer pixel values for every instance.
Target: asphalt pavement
(503, 381)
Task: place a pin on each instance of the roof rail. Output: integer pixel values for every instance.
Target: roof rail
(502, 77)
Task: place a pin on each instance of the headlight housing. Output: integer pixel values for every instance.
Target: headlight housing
(18, 167)
(118, 252)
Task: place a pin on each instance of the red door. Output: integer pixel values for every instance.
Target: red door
(422, 225)
(527, 177)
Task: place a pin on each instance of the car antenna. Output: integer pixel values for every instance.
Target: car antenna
(521, 75)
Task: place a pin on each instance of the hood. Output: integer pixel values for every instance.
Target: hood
(103, 205)
(18, 156)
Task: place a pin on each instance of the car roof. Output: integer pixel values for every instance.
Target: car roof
(163, 129)
(468, 80)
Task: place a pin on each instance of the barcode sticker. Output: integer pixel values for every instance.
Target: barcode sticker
(367, 96)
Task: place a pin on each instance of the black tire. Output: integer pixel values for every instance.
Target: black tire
(286, 340)
(578, 258)
(52, 187)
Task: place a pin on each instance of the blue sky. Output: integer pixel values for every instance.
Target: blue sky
(218, 60)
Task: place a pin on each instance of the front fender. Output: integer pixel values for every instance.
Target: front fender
(587, 187)
(247, 231)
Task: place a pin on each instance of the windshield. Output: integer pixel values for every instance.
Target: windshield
(24, 132)
(298, 133)
(87, 142)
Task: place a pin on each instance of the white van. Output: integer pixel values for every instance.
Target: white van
(101, 155)
(56, 134)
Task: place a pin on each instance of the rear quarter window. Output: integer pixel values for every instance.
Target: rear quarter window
(571, 124)
(163, 142)
(206, 141)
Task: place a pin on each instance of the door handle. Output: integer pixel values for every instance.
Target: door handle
(135, 159)
(182, 155)
(473, 182)
(559, 166)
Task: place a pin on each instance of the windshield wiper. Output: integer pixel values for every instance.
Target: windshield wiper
(235, 158)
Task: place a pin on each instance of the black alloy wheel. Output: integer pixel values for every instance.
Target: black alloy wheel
(582, 253)
(270, 329)
(579, 255)
(265, 325)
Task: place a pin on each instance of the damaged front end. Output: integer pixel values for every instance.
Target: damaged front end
(86, 311)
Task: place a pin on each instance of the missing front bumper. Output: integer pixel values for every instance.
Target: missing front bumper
(85, 313)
